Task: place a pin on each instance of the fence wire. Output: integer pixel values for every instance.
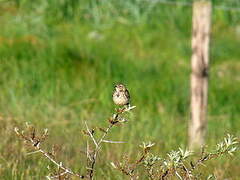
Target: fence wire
(178, 3)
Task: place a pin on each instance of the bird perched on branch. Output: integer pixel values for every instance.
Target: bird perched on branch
(121, 95)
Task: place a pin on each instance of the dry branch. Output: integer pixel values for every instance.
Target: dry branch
(31, 138)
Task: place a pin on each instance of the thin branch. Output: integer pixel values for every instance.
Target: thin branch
(104, 135)
(94, 158)
(59, 164)
(35, 142)
(88, 155)
(187, 172)
(113, 120)
(107, 141)
(91, 135)
(29, 153)
(178, 175)
(36, 145)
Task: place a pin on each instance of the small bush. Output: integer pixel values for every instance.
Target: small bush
(178, 163)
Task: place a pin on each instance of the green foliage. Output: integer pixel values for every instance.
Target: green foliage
(177, 163)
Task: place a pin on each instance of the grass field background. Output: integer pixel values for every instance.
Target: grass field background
(59, 61)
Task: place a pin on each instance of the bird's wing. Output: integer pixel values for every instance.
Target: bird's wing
(113, 93)
(127, 94)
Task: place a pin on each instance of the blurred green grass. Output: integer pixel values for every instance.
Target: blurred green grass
(59, 61)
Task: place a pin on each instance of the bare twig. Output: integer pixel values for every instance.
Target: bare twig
(178, 175)
(113, 120)
(91, 135)
(189, 173)
(58, 164)
(35, 143)
(95, 153)
(114, 142)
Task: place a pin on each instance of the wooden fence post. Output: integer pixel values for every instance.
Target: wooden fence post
(201, 24)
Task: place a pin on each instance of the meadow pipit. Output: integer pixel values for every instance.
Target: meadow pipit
(121, 95)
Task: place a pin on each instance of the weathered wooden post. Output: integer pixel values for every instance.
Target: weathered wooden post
(201, 24)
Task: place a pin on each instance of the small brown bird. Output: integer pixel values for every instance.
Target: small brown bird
(121, 95)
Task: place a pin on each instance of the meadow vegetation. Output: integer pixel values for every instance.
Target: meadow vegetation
(60, 59)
